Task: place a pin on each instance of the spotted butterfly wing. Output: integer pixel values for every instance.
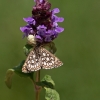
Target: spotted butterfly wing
(32, 62)
(40, 58)
(48, 60)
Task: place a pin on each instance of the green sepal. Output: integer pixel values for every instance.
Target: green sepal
(50, 47)
(51, 94)
(27, 48)
(8, 78)
(46, 82)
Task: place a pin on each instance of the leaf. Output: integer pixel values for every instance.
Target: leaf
(53, 47)
(8, 78)
(50, 47)
(18, 70)
(46, 82)
(48, 78)
(27, 48)
(51, 94)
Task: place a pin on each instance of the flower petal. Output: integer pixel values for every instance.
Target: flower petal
(41, 30)
(55, 10)
(41, 27)
(47, 38)
(39, 1)
(59, 29)
(60, 19)
(26, 30)
(57, 19)
(55, 24)
(49, 32)
(38, 37)
(29, 20)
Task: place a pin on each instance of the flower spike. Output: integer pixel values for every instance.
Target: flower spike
(43, 23)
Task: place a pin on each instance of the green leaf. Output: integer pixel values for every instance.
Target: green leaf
(46, 82)
(51, 94)
(48, 78)
(27, 48)
(18, 70)
(50, 47)
(53, 47)
(8, 78)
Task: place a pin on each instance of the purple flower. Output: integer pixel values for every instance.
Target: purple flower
(26, 30)
(57, 19)
(55, 10)
(59, 29)
(48, 39)
(41, 30)
(44, 23)
(38, 1)
(38, 38)
(29, 20)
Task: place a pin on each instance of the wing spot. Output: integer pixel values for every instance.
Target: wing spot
(44, 63)
(50, 63)
(53, 62)
(33, 56)
(30, 58)
(28, 62)
(47, 64)
(44, 54)
(32, 61)
(37, 64)
(47, 54)
(29, 65)
(43, 59)
(52, 58)
(47, 58)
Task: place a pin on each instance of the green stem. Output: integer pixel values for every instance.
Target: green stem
(37, 88)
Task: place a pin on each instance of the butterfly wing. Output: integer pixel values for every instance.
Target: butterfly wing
(48, 60)
(40, 58)
(32, 62)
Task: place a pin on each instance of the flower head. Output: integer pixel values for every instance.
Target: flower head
(43, 24)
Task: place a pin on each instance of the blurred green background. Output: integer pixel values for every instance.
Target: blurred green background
(78, 47)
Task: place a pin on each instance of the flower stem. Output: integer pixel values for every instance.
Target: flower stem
(37, 88)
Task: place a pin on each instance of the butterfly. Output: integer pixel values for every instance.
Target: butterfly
(40, 58)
